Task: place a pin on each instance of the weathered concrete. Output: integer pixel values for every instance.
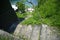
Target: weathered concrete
(48, 33)
(7, 36)
(37, 32)
(29, 32)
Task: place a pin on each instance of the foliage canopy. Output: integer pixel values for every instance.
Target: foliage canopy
(47, 12)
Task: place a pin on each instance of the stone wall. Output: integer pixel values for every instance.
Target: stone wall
(36, 32)
(6, 36)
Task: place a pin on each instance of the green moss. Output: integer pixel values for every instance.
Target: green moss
(6, 38)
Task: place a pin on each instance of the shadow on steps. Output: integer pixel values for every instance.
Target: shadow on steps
(12, 28)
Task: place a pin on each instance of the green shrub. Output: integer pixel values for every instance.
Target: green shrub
(21, 15)
(31, 21)
(49, 11)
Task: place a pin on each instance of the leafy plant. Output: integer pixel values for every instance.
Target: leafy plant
(19, 15)
(21, 6)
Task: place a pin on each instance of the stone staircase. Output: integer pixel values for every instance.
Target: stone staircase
(32, 32)
(36, 32)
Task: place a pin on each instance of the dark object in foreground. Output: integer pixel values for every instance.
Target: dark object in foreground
(7, 15)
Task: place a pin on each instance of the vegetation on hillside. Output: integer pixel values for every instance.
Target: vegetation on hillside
(50, 12)
(46, 12)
